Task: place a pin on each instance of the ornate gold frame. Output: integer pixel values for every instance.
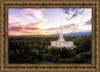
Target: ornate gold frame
(4, 5)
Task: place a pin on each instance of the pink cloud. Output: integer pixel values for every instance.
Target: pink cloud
(15, 24)
(37, 13)
(33, 29)
(30, 17)
(30, 25)
(17, 28)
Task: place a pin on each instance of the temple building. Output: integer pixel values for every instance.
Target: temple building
(61, 41)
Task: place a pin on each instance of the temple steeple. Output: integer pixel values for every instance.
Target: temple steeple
(61, 38)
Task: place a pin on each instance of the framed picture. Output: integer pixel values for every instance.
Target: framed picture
(47, 35)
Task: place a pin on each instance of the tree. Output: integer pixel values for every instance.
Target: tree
(30, 46)
(40, 54)
(86, 55)
(48, 56)
(64, 61)
(51, 50)
(40, 46)
(58, 57)
(35, 45)
(57, 51)
(82, 59)
(31, 54)
(21, 48)
(64, 53)
(14, 50)
(30, 59)
(19, 60)
(71, 52)
(76, 59)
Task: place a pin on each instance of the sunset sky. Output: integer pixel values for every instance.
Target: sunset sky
(46, 21)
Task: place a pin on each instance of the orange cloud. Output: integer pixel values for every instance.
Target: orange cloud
(32, 25)
(17, 28)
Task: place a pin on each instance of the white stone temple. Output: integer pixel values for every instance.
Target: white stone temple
(61, 41)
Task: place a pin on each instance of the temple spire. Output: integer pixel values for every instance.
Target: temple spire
(61, 38)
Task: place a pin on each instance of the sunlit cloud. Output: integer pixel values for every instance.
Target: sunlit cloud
(31, 21)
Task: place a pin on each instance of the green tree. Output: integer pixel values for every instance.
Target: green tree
(40, 46)
(58, 57)
(51, 50)
(30, 59)
(86, 55)
(57, 51)
(30, 46)
(82, 59)
(71, 52)
(64, 53)
(48, 56)
(19, 60)
(76, 59)
(40, 55)
(14, 50)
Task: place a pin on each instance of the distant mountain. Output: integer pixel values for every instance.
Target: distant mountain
(78, 33)
(68, 34)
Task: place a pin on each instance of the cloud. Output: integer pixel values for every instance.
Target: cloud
(34, 13)
(72, 12)
(70, 28)
(19, 25)
(76, 28)
(34, 25)
(88, 22)
(29, 16)
(77, 13)
(30, 28)
(32, 21)
(16, 19)
(53, 28)
(26, 16)
(15, 24)
(33, 29)
(15, 28)
(37, 30)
